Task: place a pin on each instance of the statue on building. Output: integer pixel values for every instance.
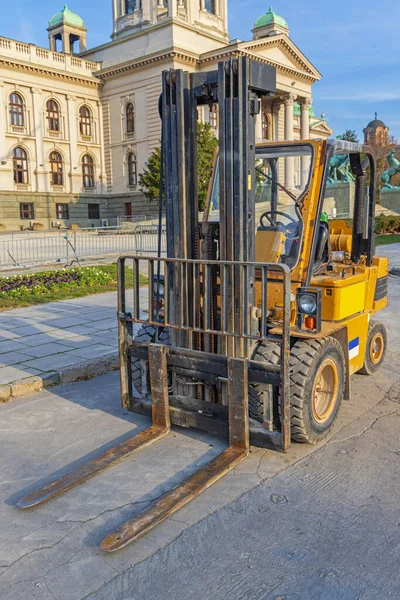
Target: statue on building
(394, 167)
(339, 170)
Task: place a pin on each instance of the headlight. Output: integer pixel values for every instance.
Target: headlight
(308, 304)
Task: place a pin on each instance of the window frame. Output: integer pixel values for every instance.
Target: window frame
(88, 171)
(53, 116)
(213, 118)
(264, 126)
(62, 210)
(96, 207)
(210, 6)
(132, 10)
(85, 121)
(56, 168)
(130, 118)
(22, 168)
(132, 169)
(26, 214)
(16, 110)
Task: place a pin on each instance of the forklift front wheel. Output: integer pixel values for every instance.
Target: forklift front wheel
(376, 348)
(317, 378)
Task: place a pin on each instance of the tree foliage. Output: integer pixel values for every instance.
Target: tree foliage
(149, 178)
(349, 136)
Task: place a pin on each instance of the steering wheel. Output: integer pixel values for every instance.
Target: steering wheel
(268, 215)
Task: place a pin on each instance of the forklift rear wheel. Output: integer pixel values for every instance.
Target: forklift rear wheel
(260, 393)
(146, 335)
(376, 348)
(317, 380)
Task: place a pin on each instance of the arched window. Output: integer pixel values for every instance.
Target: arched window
(16, 110)
(20, 165)
(85, 121)
(130, 6)
(132, 169)
(56, 169)
(210, 6)
(88, 171)
(214, 116)
(264, 126)
(53, 115)
(130, 118)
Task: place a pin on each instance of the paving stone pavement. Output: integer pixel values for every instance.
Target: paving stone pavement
(41, 340)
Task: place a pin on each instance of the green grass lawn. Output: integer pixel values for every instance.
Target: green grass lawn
(38, 288)
(383, 240)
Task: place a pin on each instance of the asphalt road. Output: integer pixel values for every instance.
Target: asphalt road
(320, 523)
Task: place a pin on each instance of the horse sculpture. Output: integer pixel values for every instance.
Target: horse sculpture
(339, 169)
(394, 168)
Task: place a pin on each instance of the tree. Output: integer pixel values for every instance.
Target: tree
(349, 136)
(149, 179)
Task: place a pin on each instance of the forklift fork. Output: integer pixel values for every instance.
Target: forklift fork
(192, 486)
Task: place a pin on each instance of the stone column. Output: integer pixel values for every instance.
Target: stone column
(73, 141)
(259, 123)
(102, 174)
(42, 178)
(305, 135)
(289, 162)
(3, 155)
(115, 15)
(276, 107)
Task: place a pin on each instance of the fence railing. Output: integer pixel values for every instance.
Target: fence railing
(30, 248)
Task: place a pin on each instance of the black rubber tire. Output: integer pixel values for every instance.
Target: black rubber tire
(146, 335)
(369, 368)
(261, 392)
(305, 358)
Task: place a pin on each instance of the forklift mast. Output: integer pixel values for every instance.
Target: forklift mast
(236, 87)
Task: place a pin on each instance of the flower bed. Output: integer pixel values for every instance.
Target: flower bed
(37, 284)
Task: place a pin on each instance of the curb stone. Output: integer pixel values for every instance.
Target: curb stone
(84, 370)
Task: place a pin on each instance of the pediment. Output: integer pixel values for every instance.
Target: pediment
(281, 51)
(321, 126)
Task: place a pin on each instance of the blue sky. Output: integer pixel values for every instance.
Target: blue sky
(354, 45)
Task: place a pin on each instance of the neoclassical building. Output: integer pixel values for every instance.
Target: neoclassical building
(77, 125)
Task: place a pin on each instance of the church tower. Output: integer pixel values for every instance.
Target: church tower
(209, 16)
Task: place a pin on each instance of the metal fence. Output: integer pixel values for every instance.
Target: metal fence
(30, 248)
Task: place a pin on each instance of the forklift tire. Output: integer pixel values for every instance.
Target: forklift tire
(375, 351)
(261, 392)
(317, 382)
(146, 335)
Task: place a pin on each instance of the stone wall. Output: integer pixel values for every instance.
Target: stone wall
(390, 199)
(111, 207)
(342, 196)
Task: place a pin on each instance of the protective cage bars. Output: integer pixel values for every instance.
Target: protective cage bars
(192, 362)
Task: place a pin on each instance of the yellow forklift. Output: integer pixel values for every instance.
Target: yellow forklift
(254, 321)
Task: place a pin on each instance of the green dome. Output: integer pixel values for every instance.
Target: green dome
(270, 18)
(68, 17)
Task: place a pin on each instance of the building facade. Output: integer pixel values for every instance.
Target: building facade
(77, 125)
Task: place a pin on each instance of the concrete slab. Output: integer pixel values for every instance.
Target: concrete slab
(45, 349)
(53, 362)
(14, 373)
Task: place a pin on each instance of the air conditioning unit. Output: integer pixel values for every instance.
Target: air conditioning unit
(55, 224)
(104, 223)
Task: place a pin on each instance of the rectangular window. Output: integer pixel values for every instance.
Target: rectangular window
(26, 211)
(94, 211)
(128, 209)
(62, 211)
